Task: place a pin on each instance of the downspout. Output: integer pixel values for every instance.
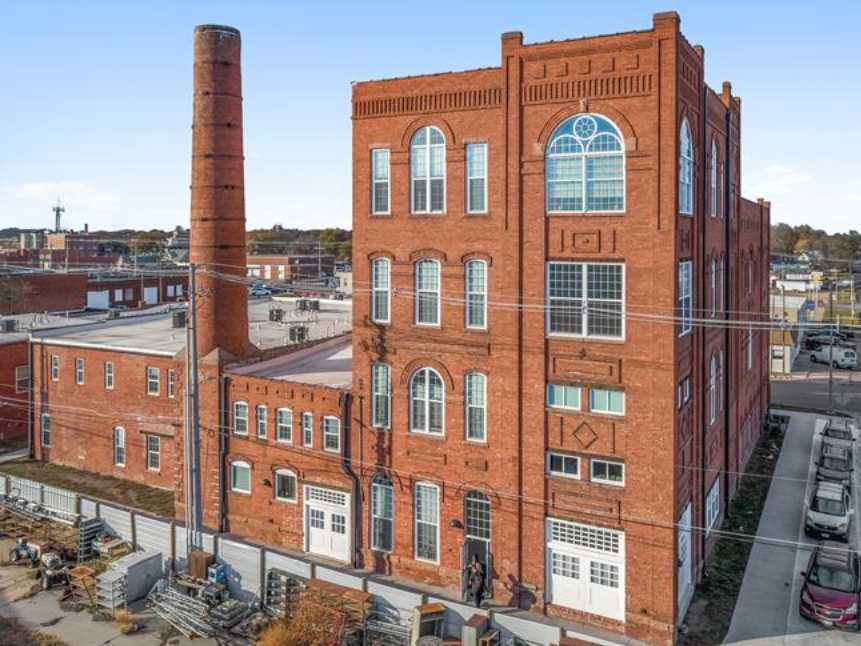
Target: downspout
(345, 401)
(727, 307)
(222, 451)
(701, 231)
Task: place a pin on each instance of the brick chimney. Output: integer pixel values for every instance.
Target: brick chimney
(217, 241)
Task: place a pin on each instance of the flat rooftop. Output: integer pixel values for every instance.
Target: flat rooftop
(150, 332)
(329, 363)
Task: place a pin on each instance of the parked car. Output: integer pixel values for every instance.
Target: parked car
(839, 434)
(818, 339)
(832, 583)
(837, 355)
(830, 512)
(259, 291)
(835, 465)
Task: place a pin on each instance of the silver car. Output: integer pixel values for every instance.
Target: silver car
(829, 514)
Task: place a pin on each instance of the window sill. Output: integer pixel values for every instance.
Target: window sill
(436, 437)
(562, 476)
(615, 340)
(587, 214)
(240, 493)
(604, 483)
(286, 501)
(481, 444)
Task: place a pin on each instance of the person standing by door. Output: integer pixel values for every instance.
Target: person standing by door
(475, 580)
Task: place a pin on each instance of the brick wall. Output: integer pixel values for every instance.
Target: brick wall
(29, 293)
(14, 398)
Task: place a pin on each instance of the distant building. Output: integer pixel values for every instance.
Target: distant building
(290, 267)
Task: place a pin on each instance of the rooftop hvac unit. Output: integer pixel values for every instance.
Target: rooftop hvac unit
(276, 314)
(299, 333)
(302, 304)
(9, 325)
(178, 319)
(314, 304)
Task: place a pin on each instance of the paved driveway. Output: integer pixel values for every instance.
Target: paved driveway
(766, 612)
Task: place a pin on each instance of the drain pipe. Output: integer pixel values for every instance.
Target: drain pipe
(727, 211)
(345, 401)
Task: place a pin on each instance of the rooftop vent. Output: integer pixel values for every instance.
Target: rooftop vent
(9, 325)
(298, 333)
(178, 319)
(276, 314)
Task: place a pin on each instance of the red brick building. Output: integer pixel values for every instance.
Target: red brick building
(543, 246)
(22, 293)
(290, 267)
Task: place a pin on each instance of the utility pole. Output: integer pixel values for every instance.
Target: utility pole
(192, 422)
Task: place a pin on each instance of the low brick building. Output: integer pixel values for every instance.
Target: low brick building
(290, 267)
(24, 293)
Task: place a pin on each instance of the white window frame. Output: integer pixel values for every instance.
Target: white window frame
(712, 512)
(45, 429)
(720, 382)
(476, 146)
(375, 164)
(481, 434)
(237, 406)
(119, 446)
(585, 300)
(381, 397)
(562, 474)
(416, 521)
(722, 284)
(288, 473)
(171, 383)
(327, 434)
(150, 452)
(685, 297)
(427, 403)
(425, 150)
(684, 394)
(713, 179)
(109, 375)
(379, 484)
(712, 388)
(566, 390)
(55, 367)
(419, 291)
(280, 436)
(80, 371)
(601, 411)
(686, 170)
(377, 288)
(714, 286)
(150, 380)
(243, 465)
(749, 346)
(593, 478)
(261, 421)
(22, 375)
(469, 292)
(307, 424)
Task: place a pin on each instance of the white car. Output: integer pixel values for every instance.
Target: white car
(829, 513)
(260, 291)
(837, 355)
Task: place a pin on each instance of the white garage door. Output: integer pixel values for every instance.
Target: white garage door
(98, 300)
(327, 522)
(151, 295)
(586, 568)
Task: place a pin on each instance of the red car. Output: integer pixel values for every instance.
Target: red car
(832, 585)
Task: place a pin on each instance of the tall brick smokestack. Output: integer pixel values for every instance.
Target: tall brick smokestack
(217, 241)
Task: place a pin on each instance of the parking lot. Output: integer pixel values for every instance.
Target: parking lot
(766, 612)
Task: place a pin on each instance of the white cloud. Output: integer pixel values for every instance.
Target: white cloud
(778, 180)
(78, 195)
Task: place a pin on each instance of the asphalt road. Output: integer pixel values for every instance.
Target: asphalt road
(766, 612)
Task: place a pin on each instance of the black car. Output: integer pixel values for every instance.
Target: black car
(835, 464)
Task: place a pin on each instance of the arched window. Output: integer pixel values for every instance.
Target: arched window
(713, 170)
(712, 390)
(585, 166)
(427, 402)
(476, 406)
(686, 170)
(427, 171)
(427, 297)
(476, 515)
(380, 291)
(475, 273)
(382, 513)
(714, 271)
(119, 446)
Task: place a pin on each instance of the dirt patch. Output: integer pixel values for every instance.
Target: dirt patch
(133, 494)
(13, 633)
(711, 609)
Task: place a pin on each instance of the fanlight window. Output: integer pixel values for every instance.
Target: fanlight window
(585, 166)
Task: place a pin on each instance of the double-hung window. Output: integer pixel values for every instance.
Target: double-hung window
(382, 514)
(380, 290)
(713, 181)
(712, 506)
(119, 446)
(171, 383)
(712, 390)
(22, 379)
(714, 271)
(427, 297)
(79, 371)
(476, 294)
(260, 413)
(606, 401)
(55, 367)
(585, 299)
(607, 472)
(331, 434)
(476, 178)
(109, 375)
(240, 477)
(284, 425)
(307, 429)
(153, 452)
(720, 381)
(561, 464)
(427, 171)
(427, 402)
(45, 428)
(475, 385)
(749, 346)
(240, 418)
(380, 180)
(381, 396)
(686, 170)
(285, 485)
(426, 527)
(562, 396)
(685, 288)
(684, 391)
(153, 377)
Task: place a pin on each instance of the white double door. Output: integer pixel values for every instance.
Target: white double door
(684, 580)
(327, 523)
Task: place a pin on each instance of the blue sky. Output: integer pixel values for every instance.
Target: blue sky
(97, 97)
